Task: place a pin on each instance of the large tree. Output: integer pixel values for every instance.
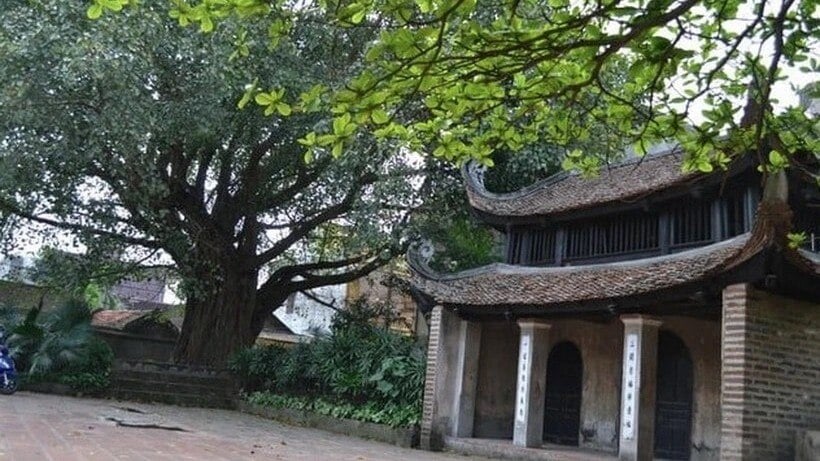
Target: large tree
(125, 133)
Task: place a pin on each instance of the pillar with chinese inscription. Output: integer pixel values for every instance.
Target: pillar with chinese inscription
(638, 387)
(531, 383)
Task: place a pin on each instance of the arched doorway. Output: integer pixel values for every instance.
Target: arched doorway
(562, 405)
(673, 404)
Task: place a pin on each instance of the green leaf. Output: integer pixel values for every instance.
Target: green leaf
(94, 11)
(425, 6)
(379, 117)
(113, 5)
(283, 109)
(264, 99)
(705, 166)
(337, 149)
(248, 94)
(342, 124)
(357, 17)
(797, 239)
(309, 140)
(206, 25)
(777, 160)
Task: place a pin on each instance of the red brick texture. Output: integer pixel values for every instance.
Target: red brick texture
(770, 373)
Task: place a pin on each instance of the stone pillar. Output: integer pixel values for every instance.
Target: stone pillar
(438, 407)
(638, 383)
(467, 377)
(533, 351)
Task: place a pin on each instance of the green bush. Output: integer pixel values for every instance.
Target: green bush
(59, 346)
(258, 366)
(391, 414)
(360, 363)
(85, 382)
(90, 373)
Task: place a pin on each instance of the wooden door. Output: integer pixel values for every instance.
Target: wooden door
(562, 406)
(673, 405)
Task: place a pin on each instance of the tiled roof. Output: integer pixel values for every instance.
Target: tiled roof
(503, 284)
(116, 319)
(627, 181)
(138, 305)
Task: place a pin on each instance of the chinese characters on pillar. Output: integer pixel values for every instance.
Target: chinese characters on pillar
(630, 385)
(523, 378)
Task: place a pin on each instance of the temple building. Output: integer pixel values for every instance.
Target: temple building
(647, 313)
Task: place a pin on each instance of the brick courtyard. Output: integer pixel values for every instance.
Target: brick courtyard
(46, 427)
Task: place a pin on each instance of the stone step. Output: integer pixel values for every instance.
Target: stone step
(171, 377)
(182, 380)
(164, 386)
(173, 398)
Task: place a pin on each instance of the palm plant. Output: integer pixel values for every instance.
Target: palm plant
(47, 342)
(9, 317)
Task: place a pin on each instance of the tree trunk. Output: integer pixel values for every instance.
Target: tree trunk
(218, 323)
(264, 310)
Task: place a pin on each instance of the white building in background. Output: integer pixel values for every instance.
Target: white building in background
(16, 268)
(306, 316)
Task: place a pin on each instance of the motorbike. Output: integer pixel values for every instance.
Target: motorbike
(8, 374)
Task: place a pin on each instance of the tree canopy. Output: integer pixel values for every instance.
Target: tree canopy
(125, 132)
(466, 78)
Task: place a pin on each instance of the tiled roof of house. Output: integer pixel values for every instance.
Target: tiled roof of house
(151, 290)
(504, 284)
(626, 181)
(116, 319)
(138, 305)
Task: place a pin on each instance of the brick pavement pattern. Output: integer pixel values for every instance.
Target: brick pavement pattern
(41, 427)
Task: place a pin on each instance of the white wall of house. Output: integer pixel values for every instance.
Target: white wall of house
(306, 316)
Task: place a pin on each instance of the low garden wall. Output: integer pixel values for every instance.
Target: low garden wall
(401, 436)
(132, 347)
(172, 383)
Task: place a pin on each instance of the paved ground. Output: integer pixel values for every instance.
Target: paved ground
(47, 427)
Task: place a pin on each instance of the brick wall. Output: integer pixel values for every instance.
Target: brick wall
(429, 404)
(770, 373)
(375, 288)
(440, 394)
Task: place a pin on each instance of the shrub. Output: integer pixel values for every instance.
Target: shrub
(59, 346)
(90, 373)
(392, 414)
(258, 366)
(87, 383)
(360, 363)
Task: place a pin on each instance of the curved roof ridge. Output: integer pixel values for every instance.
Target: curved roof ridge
(475, 177)
(566, 191)
(501, 284)
(814, 258)
(422, 268)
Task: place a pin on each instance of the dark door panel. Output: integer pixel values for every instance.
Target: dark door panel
(562, 406)
(673, 404)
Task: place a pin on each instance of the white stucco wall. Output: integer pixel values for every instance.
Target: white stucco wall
(305, 316)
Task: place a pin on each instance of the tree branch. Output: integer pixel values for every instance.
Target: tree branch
(13, 209)
(304, 228)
